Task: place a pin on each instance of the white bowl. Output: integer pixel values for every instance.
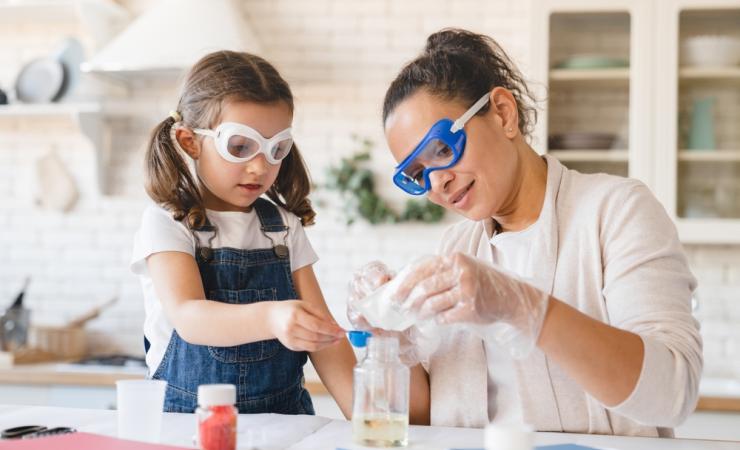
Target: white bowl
(711, 51)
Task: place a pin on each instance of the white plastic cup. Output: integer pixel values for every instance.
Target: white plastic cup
(508, 437)
(140, 405)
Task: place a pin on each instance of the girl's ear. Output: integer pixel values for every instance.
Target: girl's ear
(186, 138)
(505, 106)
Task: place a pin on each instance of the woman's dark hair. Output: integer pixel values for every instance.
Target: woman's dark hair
(215, 80)
(461, 65)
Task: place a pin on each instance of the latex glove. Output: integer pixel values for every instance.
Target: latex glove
(461, 288)
(365, 281)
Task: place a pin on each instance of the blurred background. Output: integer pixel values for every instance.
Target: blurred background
(646, 89)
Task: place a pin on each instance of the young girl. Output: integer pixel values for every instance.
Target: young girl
(229, 290)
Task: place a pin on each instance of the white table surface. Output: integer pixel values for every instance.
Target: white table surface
(272, 431)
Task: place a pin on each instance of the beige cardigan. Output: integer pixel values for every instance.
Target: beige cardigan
(606, 247)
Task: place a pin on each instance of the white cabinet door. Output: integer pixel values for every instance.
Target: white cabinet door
(697, 115)
(595, 60)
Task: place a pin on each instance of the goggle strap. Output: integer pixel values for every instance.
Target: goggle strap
(473, 110)
(204, 132)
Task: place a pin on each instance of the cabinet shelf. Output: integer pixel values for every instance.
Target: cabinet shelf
(709, 155)
(621, 75)
(591, 155)
(89, 118)
(48, 109)
(47, 11)
(710, 74)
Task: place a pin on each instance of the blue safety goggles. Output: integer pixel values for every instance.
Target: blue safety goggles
(441, 148)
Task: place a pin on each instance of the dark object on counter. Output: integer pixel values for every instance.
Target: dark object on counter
(3, 97)
(34, 431)
(49, 432)
(113, 360)
(17, 432)
(14, 323)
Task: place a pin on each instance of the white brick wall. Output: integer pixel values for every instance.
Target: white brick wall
(339, 56)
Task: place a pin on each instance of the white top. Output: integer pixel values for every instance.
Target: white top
(511, 251)
(604, 245)
(159, 232)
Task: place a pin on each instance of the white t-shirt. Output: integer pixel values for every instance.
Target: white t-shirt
(511, 251)
(159, 232)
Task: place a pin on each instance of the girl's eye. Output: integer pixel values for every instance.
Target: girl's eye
(241, 146)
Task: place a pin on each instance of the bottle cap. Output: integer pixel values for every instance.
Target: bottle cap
(216, 394)
(359, 338)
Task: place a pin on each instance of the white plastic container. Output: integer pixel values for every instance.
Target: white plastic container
(140, 405)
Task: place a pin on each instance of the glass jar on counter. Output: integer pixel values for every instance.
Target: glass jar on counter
(216, 415)
(380, 409)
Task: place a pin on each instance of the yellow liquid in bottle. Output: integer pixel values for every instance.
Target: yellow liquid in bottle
(381, 430)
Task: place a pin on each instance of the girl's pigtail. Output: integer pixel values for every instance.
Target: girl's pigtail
(169, 181)
(292, 186)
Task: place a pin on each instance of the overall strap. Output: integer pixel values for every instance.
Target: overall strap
(272, 222)
(269, 215)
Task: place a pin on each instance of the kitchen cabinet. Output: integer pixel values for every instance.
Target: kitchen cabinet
(619, 69)
(698, 186)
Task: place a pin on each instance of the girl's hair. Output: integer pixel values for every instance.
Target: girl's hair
(217, 79)
(460, 65)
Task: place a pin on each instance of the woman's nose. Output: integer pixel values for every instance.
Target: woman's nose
(439, 180)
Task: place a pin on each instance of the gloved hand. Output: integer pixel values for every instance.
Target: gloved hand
(461, 288)
(364, 282)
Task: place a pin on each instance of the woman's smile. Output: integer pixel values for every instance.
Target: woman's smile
(462, 198)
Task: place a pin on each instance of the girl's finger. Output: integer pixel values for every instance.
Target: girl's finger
(309, 335)
(318, 324)
(310, 346)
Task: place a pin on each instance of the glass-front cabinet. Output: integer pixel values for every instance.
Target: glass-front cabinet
(699, 109)
(649, 90)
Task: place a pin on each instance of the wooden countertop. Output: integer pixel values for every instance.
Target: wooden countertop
(106, 376)
(94, 376)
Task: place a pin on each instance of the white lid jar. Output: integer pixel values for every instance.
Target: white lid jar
(217, 417)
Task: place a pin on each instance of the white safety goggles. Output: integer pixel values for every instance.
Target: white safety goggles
(238, 143)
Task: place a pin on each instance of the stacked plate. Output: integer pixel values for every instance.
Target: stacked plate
(581, 141)
(48, 79)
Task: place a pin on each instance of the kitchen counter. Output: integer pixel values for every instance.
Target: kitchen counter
(311, 432)
(716, 394)
(99, 376)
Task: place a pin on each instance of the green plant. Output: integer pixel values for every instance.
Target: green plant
(355, 184)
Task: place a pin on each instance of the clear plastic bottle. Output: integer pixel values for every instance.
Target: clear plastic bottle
(216, 417)
(380, 410)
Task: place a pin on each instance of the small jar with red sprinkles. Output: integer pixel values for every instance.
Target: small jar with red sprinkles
(216, 417)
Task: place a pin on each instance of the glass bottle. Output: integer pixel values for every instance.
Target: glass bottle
(217, 416)
(380, 410)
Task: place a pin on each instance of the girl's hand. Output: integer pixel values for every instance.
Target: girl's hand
(300, 326)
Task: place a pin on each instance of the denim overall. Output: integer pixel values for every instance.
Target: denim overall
(268, 377)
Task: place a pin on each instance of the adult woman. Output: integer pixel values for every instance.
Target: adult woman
(606, 302)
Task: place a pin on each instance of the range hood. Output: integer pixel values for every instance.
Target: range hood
(174, 34)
